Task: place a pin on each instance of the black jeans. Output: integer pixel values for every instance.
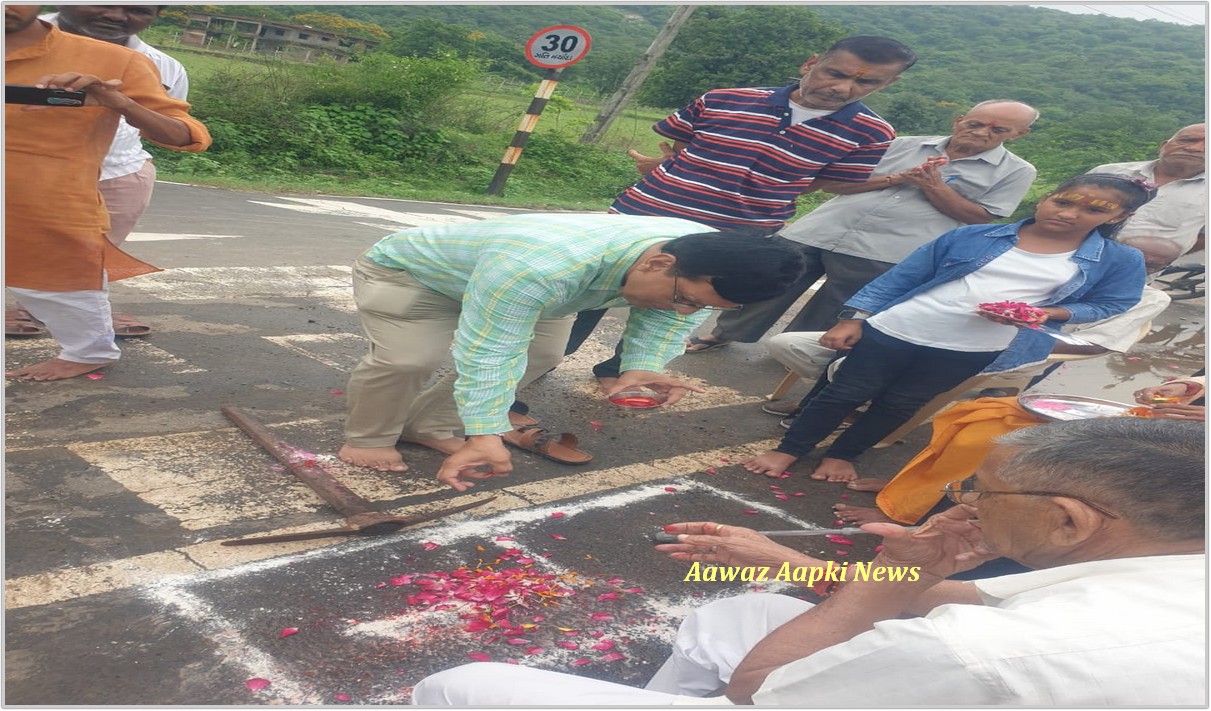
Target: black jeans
(897, 377)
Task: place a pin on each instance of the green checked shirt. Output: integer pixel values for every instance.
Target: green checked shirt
(510, 272)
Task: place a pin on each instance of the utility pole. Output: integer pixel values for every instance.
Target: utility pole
(630, 85)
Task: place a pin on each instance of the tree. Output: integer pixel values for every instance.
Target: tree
(726, 46)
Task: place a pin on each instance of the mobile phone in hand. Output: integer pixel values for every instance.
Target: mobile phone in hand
(22, 94)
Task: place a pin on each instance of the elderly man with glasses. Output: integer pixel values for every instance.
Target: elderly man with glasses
(505, 291)
(1109, 516)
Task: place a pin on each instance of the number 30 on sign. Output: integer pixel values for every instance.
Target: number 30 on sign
(558, 46)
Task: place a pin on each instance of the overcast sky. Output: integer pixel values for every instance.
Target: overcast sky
(1179, 13)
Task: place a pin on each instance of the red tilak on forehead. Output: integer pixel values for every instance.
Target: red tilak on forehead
(1083, 199)
(862, 70)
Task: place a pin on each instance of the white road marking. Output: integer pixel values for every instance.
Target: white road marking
(165, 237)
(344, 208)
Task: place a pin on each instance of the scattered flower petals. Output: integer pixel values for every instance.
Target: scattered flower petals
(257, 683)
(98, 376)
(637, 591)
(534, 650)
(504, 538)
(341, 697)
(601, 617)
(844, 496)
(338, 392)
(517, 641)
(604, 645)
(595, 425)
(567, 645)
(558, 537)
(775, 487)
(670, 488)
(476, 656)
(402, 580)
(288, 631)
(839, 539)
(839, 523)
(597, 634)
(798, 493)
(607, 596)
(784, 475)
(613, 657)
(580, 662)
(711, 470)
(429, 546)
(841, 552)
(724, 459)
(558, 514)
(878, 549)
(782, 497)
(615, 581)
(750, 511)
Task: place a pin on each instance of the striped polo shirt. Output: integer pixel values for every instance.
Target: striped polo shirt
(746, 162)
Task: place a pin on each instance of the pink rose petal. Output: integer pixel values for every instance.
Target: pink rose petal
(841, 552)
(558, 514)
(839, 523)
(601, 617)
(534, 650)
(878, 549)
(724, 459)
(839, 539)
(567, 645)
(775, 487)
(670, 488)
(711, 470)
(479, 657)
(341, 697)
(784, 475)
(798, 493)
(580, 662)
(257, 683)
(615, 581)
(98, 376)
(604, 645)
(637, 591)
(595, 425)
(607, 596)
(750, 511)
(288, 631)
(504, 538)
(517, 641)
(401, 580)
(558, 537)
(844, 496)
(782, 497)
(613, 657)
(429, 546)
(511, 660)
(337, 392)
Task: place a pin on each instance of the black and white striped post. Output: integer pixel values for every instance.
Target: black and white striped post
(552, 49)
(545, 88)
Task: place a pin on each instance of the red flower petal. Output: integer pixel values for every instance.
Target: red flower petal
(595, 425)
(257, 683)
(798, 493)
(98, 376)
(724, 459)
(607, 596)
(401, 580)
(479, 657)
(337, 392)
(580, 662)
(841, 552)
(601, 617)
(844, 496)
(567, 645)
(517, 641)
(775, 487)
(535, 650)
(839, 523)
(782, 497)
(504, 538)
(839, 539)
(637, 591)
(615, 581)
(711, 470)
(878, 549)
(429, 546)
(341, 697)
(670, 488)
(613, 657)
(750, 511)
(604, 645)
(288, 631)
(784, 475)
(558, 537)
(558, 514)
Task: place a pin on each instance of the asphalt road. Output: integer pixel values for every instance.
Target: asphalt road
(119, 490)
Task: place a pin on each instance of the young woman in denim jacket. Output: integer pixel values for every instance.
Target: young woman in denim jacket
(915, 331)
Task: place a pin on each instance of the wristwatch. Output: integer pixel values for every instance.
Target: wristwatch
(854, 314)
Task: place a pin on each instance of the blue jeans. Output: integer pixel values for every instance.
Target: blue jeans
(895, 376)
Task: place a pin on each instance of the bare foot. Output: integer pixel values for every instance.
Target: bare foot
(606, 383)
(867, 484)
(383, 459)
(835, 470)
(861, 514)
(770, 464)
(54, 369)
(448, 446)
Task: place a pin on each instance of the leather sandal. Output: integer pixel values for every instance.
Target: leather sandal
(127, 326)
(19, 322)
(558, 448)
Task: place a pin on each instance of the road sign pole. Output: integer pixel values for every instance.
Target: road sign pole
(545, 88)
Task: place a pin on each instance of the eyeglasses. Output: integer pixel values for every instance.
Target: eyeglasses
(680, 300)
(963, 491)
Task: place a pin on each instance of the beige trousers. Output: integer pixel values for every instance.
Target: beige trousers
(410, 328)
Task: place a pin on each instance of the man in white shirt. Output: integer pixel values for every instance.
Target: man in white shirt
(1179, 210)
(924, 186)
(127, 174)
(1109, 515)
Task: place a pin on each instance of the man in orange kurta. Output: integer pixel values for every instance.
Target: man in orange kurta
(57, 259)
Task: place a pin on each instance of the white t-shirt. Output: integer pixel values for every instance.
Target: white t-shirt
(801, 113)
(945, 316)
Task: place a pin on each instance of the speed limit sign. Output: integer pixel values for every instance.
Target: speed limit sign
(558, 46)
